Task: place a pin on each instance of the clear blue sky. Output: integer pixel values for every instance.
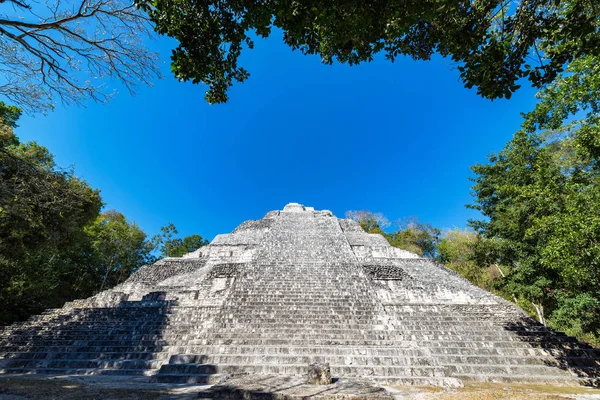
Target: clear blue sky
(394, 138)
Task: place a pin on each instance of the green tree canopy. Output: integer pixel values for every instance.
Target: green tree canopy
(369, 221)
(542, 202)
(55, 246)
(43, 210)
(9, 115)
(467, 253)
(410, 234)
(495, 43)
(170, 246)
(418, 237)
(119, 247)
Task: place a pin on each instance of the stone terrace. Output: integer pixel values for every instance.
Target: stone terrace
(296, 287)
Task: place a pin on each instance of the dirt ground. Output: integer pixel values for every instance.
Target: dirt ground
(91, 388)
(69, 388)
(496, 391)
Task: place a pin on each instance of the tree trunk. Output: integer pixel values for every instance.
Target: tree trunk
(499, 270)
(539, 309)
(504, 276)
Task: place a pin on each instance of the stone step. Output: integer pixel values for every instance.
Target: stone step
(374, 327)
(536, 370)
(315, 308)
(301, 296)
(258, 341)
(516, 352)
(394, 336)
(128, 364)
(346, 327)
(209, 379)
(83, 342)
(169, 335)
(390, 380)
(380, 327)
(292, 369)
(513, 378)
(288, 317)
(519, 360)
(75, 355)
(302, 351)
(79, 371)
(454, 343)
(475, 356)
(304, 360)
(74, 334)
(77, 348)
(168, 352)
(169, 338)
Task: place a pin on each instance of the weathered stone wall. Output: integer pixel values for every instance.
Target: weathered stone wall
(385, 272)
(166, 268)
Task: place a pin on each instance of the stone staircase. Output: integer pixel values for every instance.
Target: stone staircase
(500, 347)
(126, 340)
(280, 326)
(306, 304)
(297, 287)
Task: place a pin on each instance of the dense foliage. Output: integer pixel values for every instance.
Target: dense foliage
(495, 43)
(411, 235)
(55, 244)
(170, 246)
(541, 197)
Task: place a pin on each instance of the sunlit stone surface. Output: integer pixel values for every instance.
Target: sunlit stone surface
(297, 287)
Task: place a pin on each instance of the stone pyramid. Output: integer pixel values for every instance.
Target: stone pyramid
(296, 287)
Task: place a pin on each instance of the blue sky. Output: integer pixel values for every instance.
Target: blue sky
(393, 138)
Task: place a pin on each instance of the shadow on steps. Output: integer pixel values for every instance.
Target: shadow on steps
(273, 387)
(562, 351)
(122, 340)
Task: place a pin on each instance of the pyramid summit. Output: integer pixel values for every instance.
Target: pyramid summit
(296, 287)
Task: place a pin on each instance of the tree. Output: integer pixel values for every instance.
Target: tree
(495, 43)
(541, 196)
(170, 246)
(542, 200)
(55, 246)
(9, 115)
(410, 234)
(513, 191)
(119, 247)
(567, 116)
(467, 253)
(457, 251)
(370, 222)
(43, 210)
(417, 237)
(63, 50)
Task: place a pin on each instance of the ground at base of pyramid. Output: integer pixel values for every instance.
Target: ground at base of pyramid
(296, 287)
(94, 387)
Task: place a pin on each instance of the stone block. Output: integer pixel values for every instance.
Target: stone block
(319, 374)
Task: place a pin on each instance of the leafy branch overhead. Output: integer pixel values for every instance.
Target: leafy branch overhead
(495, 43)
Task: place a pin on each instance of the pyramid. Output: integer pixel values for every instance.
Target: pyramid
(296, 287)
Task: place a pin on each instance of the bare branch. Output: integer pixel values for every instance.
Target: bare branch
(67, 50)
